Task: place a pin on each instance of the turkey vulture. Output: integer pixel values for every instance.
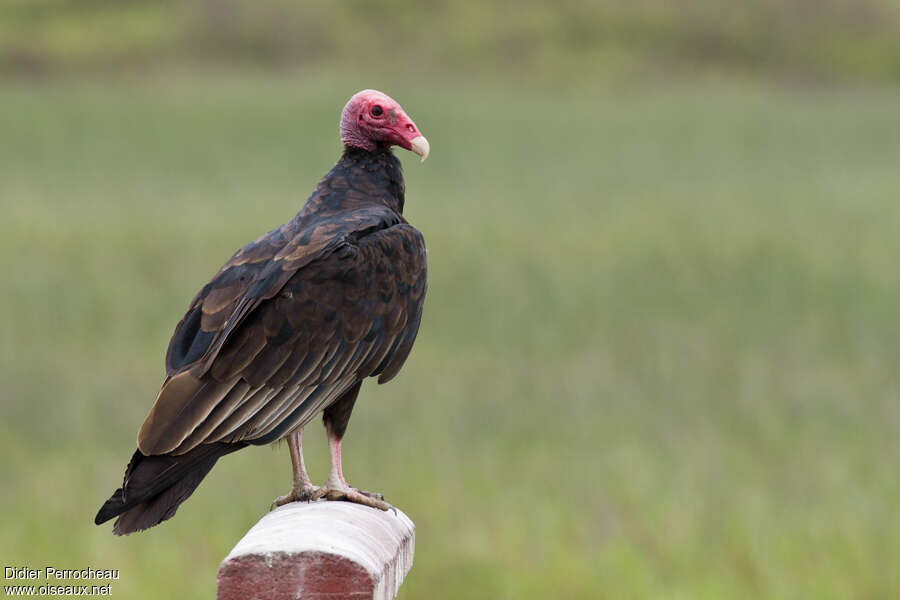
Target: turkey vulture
(289, 327)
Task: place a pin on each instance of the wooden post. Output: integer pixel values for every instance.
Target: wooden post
(320, 550)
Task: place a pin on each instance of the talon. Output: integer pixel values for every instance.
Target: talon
(280, 501)
(303, 494)
(349, 494)
(306, 494)
(374, 495)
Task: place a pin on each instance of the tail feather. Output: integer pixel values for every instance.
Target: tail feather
(154, 486)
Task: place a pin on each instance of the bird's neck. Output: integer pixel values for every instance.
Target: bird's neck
(375, 175)
(360, 179)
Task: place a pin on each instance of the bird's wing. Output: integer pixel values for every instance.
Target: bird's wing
(255, 273)
(309, 325)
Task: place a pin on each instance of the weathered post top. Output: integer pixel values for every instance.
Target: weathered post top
(319, 550)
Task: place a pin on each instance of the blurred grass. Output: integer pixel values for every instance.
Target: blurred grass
(564, 41)
(658, 357)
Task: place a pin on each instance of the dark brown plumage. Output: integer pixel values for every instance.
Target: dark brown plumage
(288, 328)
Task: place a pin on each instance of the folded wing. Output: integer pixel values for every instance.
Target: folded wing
(287, 325)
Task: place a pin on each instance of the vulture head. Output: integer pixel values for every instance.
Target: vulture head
(371, 119)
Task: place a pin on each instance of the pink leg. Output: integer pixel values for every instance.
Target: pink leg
(337, 488)
(295, 444)
(336, 477)
(302, 488)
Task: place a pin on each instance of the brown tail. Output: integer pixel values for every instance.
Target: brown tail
(154, 486)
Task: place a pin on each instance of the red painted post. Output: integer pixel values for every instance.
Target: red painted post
(320, 550)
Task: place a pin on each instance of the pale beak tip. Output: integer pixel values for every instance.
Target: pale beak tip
(421, 147)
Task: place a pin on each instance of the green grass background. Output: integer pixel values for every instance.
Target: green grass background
(564, 40)
(658, 357)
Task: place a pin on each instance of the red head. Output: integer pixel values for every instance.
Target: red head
(371, 118)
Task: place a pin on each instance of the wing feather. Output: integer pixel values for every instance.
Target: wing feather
(225, 407)
(182, 405)
(292, 340)
(238, 419)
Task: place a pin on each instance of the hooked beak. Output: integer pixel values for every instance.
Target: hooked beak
(401, 131)
(420, 146)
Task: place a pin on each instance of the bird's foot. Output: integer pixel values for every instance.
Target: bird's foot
(331, 491)
(302, 493)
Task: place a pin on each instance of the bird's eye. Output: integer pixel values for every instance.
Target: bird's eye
(376, 111)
